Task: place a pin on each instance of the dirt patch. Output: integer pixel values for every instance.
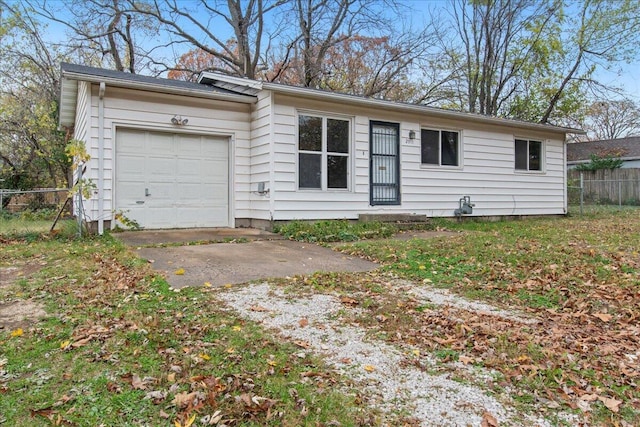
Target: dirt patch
(18, 314)
(9, 275)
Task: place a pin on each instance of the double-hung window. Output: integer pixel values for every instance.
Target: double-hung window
(323, 152)
(528, 155)
(440, 147)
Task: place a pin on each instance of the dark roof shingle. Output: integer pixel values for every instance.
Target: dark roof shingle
(180, 84)
(622, 147)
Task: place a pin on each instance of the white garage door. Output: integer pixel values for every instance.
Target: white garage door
(166, 180)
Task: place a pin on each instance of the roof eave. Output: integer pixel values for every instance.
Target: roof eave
(158, 87)
(414, 108)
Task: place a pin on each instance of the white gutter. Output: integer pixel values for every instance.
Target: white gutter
(412, 108)
(103, 87)
(158, 87)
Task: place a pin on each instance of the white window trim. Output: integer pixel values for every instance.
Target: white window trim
(460, 150)
(324, 153)
(543, 155)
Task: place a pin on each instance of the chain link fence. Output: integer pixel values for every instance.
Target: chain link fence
(589, 192)
(27, 212)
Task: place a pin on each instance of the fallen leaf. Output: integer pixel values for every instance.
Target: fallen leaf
(348, 301)
(489, 420)
(65, 344)
(17, 333)
(612, 404)
(188, 423)
(171, 377)
(258, 308)
(207, 284)
(605, 317)
(183, 398)
(164, 414)
(237, 328)
(303, 344)
(465, 359)
(137, 383)
(303, 322)
(204, 356)
(179, 272)
(369, 368)
(345, 360)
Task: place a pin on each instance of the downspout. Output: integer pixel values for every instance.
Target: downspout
(565, 180)
(103, 87)
(272, 162)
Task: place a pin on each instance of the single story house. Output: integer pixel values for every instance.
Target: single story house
(233, 152)
(625, 149)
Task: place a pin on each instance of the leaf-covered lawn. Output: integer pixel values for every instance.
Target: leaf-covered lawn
(578, 279)
(119, 347)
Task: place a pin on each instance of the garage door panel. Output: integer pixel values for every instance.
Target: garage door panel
(161, 192)
(190, 192)
(190, 146)
(161, 143)
(131, 167)
(160, 168)
(190, 169)
(210, 147)
(132, 142)
(186, 175)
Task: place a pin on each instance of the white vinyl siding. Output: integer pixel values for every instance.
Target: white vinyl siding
(261, 158)
(126, 108)
(486, 172)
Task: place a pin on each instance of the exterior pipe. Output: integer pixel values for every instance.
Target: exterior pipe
(103, 87)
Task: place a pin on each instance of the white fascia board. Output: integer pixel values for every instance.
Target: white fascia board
(110, 81)
(240, 81)
(414, 108)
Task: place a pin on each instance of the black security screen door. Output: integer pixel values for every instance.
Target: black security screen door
(384, 163)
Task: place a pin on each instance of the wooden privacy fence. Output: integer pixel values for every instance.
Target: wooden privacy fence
(608, 187)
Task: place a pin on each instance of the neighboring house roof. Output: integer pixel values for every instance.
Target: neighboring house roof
(623, 148)
(238, 89)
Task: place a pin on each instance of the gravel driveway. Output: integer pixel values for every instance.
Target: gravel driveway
(388, 378)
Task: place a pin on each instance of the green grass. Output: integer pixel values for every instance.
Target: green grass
(110, 322)
(566, 272)
(335, 231)
(21, 227)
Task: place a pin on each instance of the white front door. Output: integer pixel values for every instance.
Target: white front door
(167, 180)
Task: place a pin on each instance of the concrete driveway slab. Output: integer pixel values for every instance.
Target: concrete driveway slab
(230, 263)
(212, 235)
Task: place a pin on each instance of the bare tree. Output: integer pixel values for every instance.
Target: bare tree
(324, 25)
(613, 119)
(102, 33)
(603, 32)
(201, 27)
(498, 41)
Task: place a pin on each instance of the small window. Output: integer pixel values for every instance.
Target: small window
(323, 152)
(528, 156)
(440, 147)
